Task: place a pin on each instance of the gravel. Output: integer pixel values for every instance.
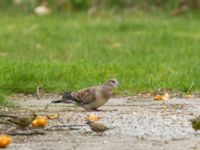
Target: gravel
(136, 123)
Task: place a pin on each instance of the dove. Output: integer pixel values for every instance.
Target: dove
(21, 121)
(90, 98)
(43, 9)
(195, 123)
(97, 127)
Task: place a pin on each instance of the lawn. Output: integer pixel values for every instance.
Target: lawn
(145, 52)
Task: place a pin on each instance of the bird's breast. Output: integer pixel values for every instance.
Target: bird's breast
(100, 101)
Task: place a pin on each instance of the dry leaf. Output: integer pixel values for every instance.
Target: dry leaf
(42, 116)
(53, 116)
(158, 97)
(166, 96)
(93, 117)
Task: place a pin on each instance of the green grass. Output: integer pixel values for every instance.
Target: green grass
(2, 100)
(145, 52)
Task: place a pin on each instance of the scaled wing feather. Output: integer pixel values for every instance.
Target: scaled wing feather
(85, 96)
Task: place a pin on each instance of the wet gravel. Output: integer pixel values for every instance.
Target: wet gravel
(136, 123)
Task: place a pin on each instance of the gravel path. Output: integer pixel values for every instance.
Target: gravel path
(137, 124)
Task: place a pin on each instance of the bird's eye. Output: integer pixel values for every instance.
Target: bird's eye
(113, 81)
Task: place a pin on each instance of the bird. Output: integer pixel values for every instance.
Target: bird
(195, 123)
(43, 9)
(97, 127)
(90, 98)
(21, 121)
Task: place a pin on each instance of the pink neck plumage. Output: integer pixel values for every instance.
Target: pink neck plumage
(107, 91)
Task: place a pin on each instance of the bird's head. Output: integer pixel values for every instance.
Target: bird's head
(112, 83)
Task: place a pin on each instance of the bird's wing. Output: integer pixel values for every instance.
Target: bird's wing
(102, 127)
(86, 96)
(98, 127)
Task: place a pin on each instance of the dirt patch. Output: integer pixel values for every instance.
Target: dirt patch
(137, 124)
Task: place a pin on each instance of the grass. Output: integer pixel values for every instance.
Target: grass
(3, 101)
(145, 52)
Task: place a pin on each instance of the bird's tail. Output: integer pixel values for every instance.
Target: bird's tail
(66, 98)
(57, 101)
(67, 95)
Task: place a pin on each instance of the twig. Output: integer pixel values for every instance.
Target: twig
(68, 125)
(26, 134)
